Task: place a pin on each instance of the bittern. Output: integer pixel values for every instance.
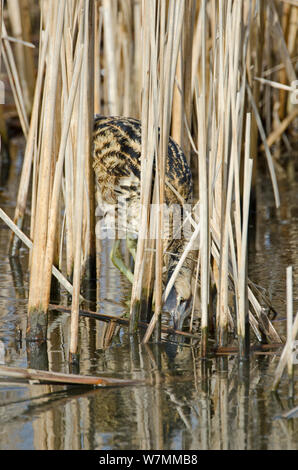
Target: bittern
(117, 166)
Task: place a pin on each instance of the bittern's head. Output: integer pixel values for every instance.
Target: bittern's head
(179, 301)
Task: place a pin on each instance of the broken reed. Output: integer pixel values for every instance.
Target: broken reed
(189, 68)
(286, 358)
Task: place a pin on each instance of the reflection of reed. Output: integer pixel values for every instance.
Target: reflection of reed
(196, 83)
(225, 410)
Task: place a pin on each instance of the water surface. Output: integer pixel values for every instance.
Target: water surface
(185, 403)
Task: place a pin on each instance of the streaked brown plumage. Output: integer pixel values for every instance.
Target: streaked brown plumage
(117, 164)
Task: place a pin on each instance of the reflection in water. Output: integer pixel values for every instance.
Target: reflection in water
(186, 403)
(189, 407)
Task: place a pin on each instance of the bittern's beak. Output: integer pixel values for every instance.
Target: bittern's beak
(178, 309)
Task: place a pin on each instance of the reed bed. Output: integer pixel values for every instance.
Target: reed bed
(200, 71)
(289, 350)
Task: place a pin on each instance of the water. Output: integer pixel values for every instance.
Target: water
(185, 403)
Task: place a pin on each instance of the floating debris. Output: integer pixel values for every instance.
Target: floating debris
(34, 376)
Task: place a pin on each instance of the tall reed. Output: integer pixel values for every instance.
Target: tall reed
(196, 70)
(59, 145)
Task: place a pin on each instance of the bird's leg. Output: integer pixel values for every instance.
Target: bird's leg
(117, 260)
(131, 243)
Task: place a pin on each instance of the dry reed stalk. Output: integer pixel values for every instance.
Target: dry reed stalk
(166, 87)
(109, 27)
(278, 85)
(266, 326)
(34, 376)
(229, 62)
(243, 316)
(223, 308)
(267, 150)
(224, 41)
(272, 335)
(83, 156)
(18, 11)
(118, 320)
(68, 52)
(293, 30)
(290, 320)
(237, 115)
(216, 169)
(254, 63)
(177, 120)
(37, 305)
(219, 203)
(79, 154)
(28, 51)
(147, 153)
(258, 324)
(187, 48)
(287, 350)
(58, 129)
(284, 30)
(277, 133)
(53, 206)
(137, 59)
(281, 45)
(126, 47)
(196, 51)
(204, 222)
(291, 2)
(189, 247)
(158, 98)
(89, 259)
(143, 280)
(97, 68)
(30, 145)
(203, 193)
(224, 116)
(59, 276)
(39, 119)
(3, 130)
